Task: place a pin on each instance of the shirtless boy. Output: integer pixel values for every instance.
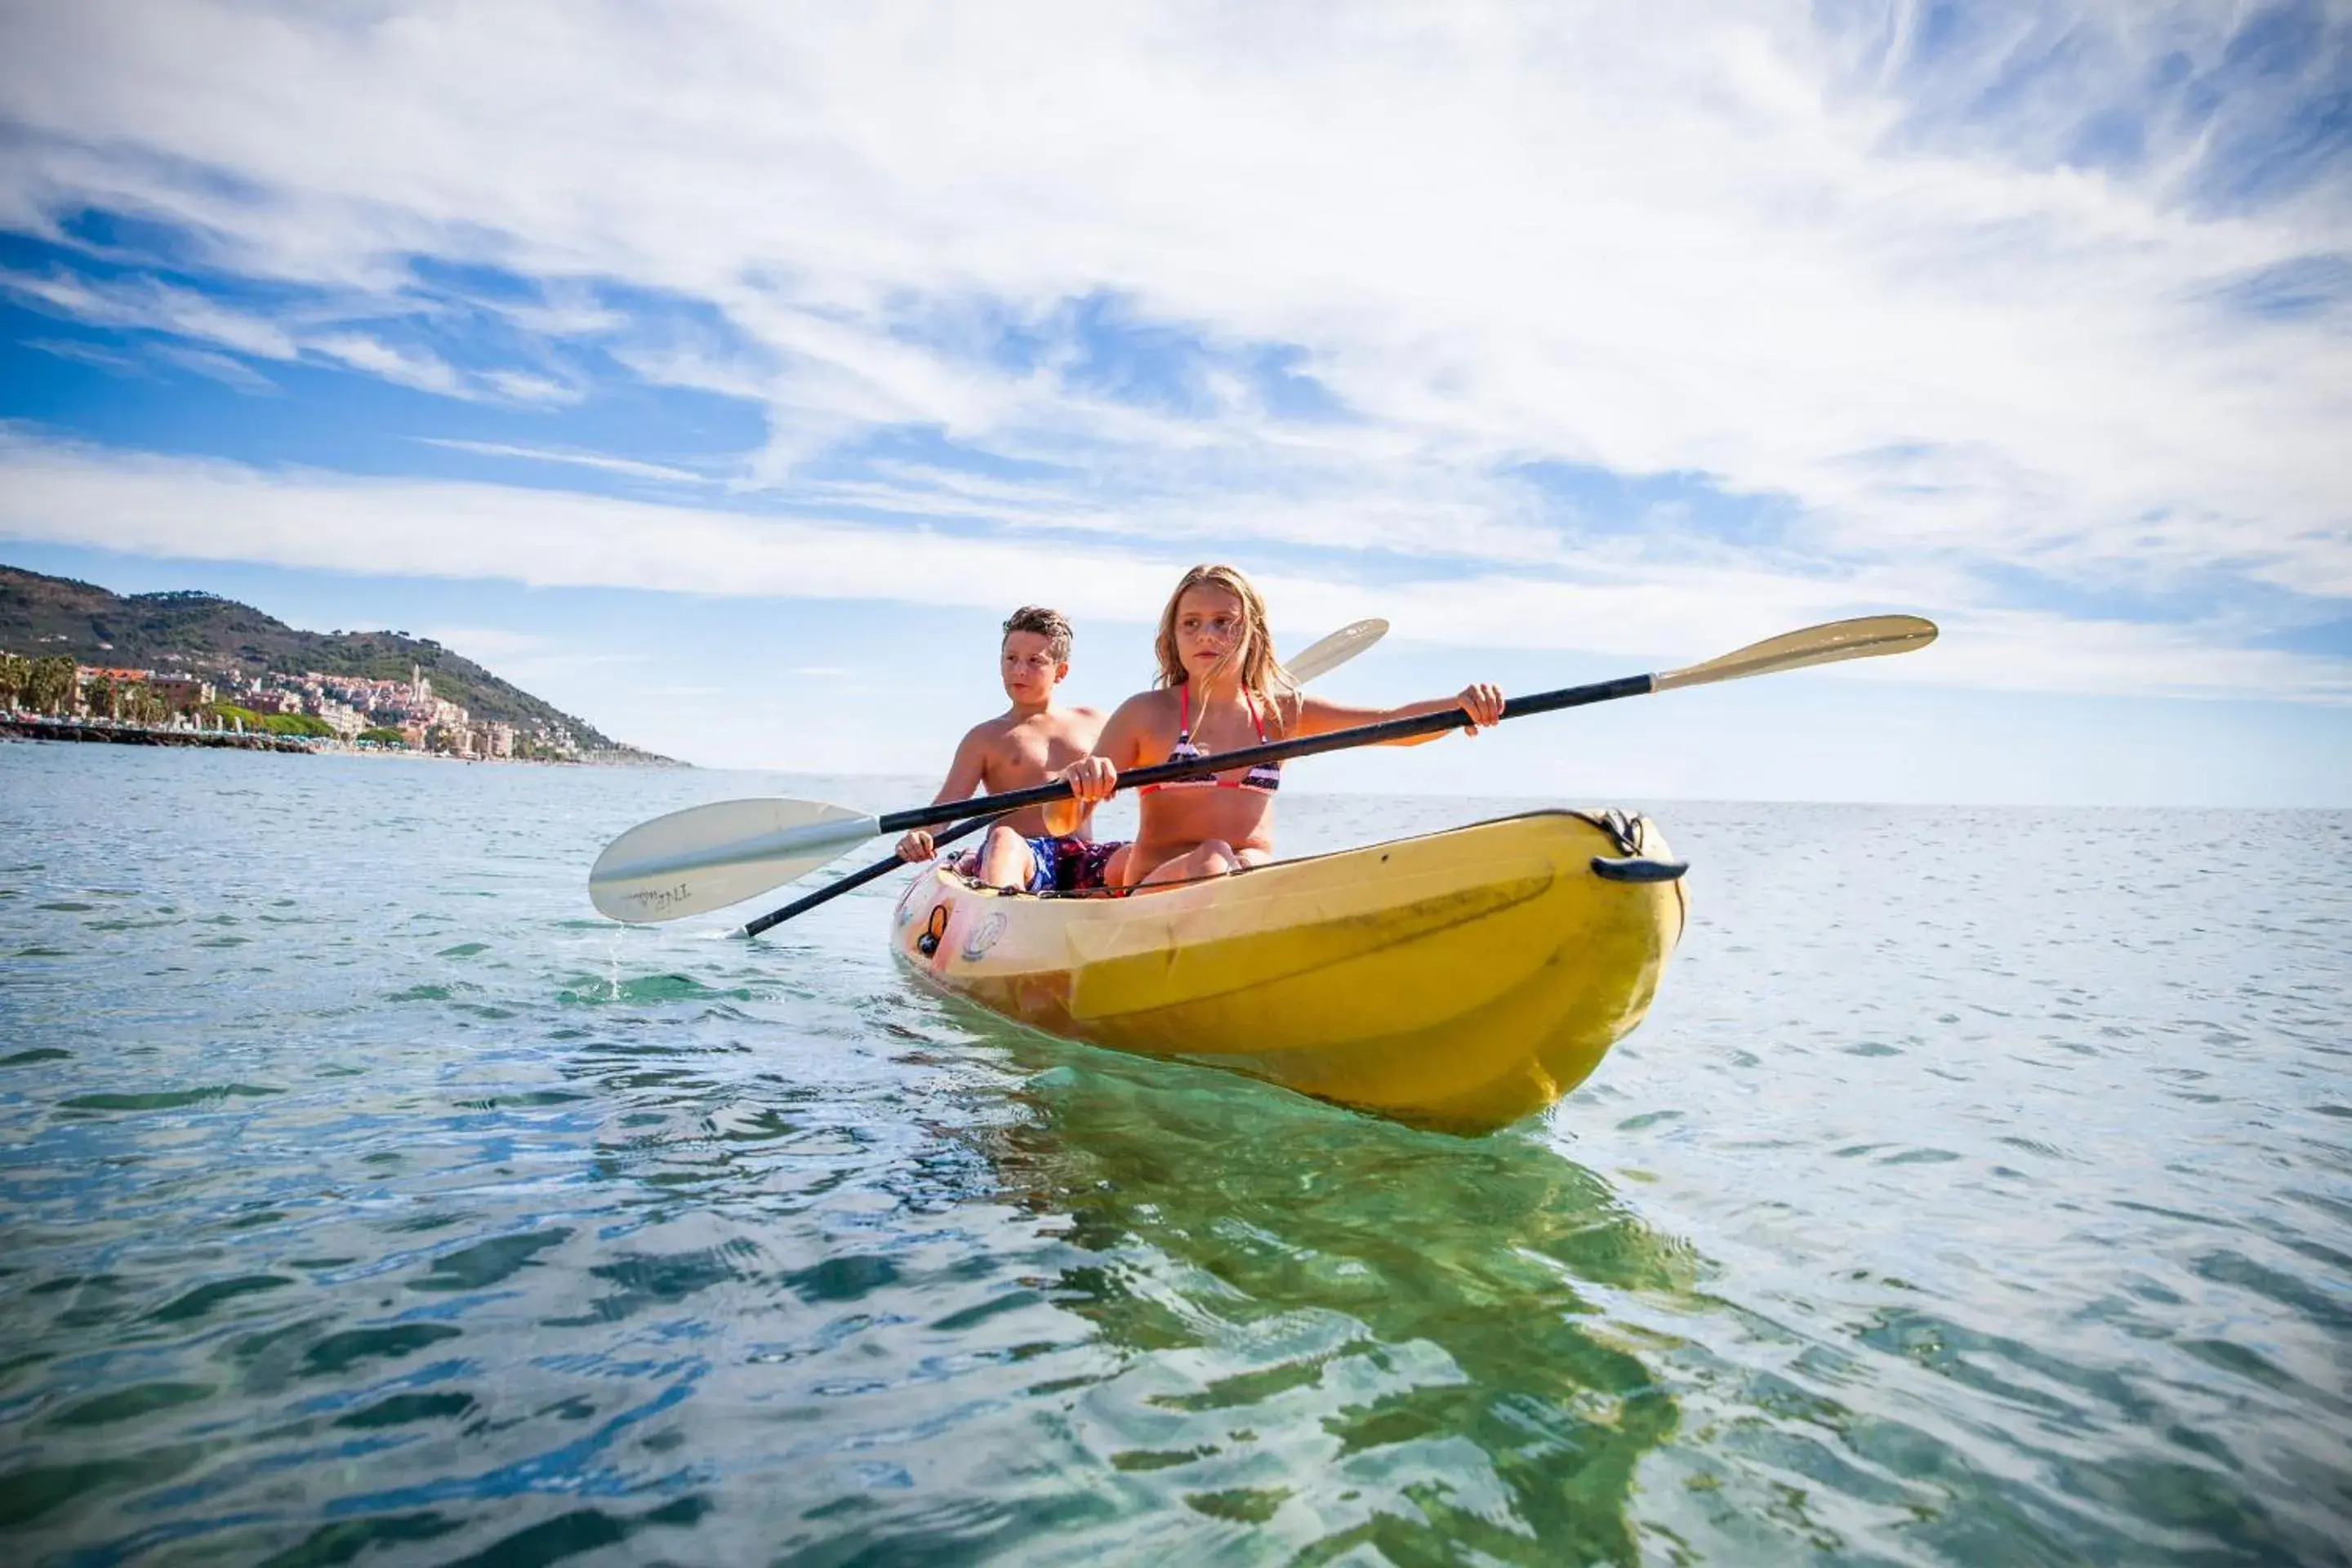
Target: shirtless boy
(1028, 743)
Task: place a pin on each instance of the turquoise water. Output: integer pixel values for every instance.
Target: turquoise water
(1979, 1190)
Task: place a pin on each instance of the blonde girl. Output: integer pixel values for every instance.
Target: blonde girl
(1220, 689)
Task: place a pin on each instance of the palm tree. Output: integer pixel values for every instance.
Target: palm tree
(50, 686)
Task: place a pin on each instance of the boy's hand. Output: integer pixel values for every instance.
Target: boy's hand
(916, 845)
(1484, 703)
(1092, 780)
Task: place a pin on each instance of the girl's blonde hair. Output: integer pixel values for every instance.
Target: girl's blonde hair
(1262, 675)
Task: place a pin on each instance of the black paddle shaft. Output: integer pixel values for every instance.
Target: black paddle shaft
(1276, 752)
(856, 880)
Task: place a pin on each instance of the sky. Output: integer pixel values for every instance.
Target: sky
(724, 372)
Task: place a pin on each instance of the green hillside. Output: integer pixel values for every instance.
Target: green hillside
(192, 631)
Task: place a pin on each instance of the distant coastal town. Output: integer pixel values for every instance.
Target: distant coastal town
(185, 668)
(58, 697)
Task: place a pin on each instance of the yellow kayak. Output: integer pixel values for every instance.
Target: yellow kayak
(1459, 980)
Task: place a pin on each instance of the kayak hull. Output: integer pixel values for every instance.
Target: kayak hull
(1460, 980)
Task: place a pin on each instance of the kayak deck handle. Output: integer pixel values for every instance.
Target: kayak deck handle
(1638, 869)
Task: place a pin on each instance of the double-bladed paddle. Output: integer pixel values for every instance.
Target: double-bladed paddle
(1316, 658)
(713, 855)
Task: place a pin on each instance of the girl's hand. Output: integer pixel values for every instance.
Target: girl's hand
(1484, 702)
(916, 846)
(1092, 780)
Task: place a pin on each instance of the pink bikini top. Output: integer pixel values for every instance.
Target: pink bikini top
(1263, 777)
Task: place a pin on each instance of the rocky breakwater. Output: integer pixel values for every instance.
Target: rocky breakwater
(37, 729)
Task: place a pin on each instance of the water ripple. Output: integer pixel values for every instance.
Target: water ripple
(369, 1199)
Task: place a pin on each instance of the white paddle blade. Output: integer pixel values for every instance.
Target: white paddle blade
(708, 857)
(1867, 637)
(1323, 657)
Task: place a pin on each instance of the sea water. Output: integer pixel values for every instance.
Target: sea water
(1978, 1190)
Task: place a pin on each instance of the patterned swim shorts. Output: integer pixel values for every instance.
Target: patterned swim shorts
(1060, 864)
(1078, 863)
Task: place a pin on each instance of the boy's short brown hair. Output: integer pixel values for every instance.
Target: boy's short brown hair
(1051, 624)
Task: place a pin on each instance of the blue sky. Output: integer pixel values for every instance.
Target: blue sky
(724, 375)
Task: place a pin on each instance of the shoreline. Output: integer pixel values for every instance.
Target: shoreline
(141, 735)
(87, 732)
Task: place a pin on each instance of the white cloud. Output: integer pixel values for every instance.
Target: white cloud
(596, 460)
(406, 366)
(158, 307)
(526, 388)
(1655, 238)
(564, 309)
(147, 305)
(211, 510)
(88, 354)
(223, 368)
